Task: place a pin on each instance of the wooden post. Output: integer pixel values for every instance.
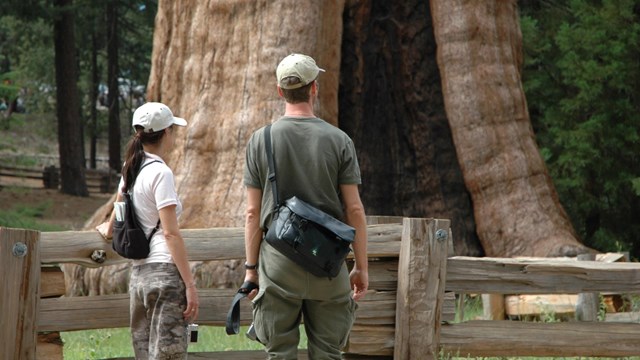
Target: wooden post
(421, 282)
(493, 306)
(20, 283)
(587, 304)
(51, 177)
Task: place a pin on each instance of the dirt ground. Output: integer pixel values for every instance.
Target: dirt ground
(69, 212)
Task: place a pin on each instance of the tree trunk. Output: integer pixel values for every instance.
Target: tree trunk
(95, 80)
(70, 134)
(516, 206)
(218, 71)
(390, 91)
(214, 64)
(115, 160)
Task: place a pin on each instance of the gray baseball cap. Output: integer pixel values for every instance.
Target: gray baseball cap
(300, 66)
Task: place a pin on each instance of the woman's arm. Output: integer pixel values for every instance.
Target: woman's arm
(175, 243)
(106, 228)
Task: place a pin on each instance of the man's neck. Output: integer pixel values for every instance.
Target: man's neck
(299, 110)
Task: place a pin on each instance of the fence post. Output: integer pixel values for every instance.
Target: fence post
(51, 177)
(422, 270)
(587, 304)
(20, 284)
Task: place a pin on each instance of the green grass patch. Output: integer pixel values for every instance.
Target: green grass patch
(109, 343)
(26, 217)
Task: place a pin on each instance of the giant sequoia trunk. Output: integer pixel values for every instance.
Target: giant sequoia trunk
(218, 70)
(516, 207)
(391, 104)
(214, 63)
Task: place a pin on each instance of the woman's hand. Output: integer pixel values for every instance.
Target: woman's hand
(105, 230)
(191, 312)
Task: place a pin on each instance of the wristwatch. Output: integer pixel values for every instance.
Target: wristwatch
(250, 267)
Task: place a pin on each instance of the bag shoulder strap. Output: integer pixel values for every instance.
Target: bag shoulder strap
(147, 164)
(157, 227)
(232, 325)
(272, 166)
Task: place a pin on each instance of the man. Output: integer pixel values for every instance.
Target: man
(316, 162)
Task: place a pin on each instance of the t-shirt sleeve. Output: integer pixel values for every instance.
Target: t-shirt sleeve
(349, 170)
(251, 175)
(164, 188)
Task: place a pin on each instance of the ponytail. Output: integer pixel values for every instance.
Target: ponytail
(134, 155)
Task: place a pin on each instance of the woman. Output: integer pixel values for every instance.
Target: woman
(161, 287)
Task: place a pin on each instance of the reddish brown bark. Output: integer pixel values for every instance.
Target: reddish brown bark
(516, 206)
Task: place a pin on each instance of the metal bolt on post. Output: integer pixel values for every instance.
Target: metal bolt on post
(19, 249)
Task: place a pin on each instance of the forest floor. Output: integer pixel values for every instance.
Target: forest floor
(50, 207)
(31, 141)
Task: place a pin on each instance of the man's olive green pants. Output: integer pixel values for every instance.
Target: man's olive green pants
(289, 293)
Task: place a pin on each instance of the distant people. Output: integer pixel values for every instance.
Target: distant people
(163, 296)
(317, 163)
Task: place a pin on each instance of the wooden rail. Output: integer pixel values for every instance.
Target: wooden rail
(540, 276)
(98, 181)
(373, 334)
(408, 314)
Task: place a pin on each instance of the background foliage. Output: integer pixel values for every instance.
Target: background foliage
(582, 81)
(27, 52)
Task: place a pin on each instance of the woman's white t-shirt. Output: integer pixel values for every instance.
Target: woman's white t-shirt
(153, 190)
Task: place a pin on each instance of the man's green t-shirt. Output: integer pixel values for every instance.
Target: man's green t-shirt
(312, 159)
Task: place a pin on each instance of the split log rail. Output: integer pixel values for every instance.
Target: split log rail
(408, 313)
(98, 181)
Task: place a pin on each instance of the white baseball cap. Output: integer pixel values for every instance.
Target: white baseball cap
(153, 116)
(297, 65)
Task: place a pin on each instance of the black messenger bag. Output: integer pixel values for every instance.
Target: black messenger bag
(311, 238)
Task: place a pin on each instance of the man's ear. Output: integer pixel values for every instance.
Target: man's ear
(280, 91)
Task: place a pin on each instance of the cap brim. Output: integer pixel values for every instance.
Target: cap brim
(179, 121)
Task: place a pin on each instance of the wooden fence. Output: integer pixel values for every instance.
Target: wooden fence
(98, 181)
(406, 315)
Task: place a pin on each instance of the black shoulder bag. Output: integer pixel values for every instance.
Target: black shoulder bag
(129, 240)
(308, 236)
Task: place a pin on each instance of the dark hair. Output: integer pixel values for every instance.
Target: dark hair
(134, 154)
(299, 95)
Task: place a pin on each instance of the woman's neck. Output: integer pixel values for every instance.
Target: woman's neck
(154, 149)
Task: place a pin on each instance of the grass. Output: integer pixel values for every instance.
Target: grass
(28, 133)
(109, 343)
(26, 217)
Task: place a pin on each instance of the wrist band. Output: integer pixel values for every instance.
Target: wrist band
(250, 267)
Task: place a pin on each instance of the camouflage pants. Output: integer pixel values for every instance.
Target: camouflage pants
(158, 298)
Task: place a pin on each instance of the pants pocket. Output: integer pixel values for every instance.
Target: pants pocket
(351, 319)
(259, 322)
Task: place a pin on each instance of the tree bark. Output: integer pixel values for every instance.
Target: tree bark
(516, 206)
(390, 91)
(95, 80)
(70, 134)
(218, 71)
